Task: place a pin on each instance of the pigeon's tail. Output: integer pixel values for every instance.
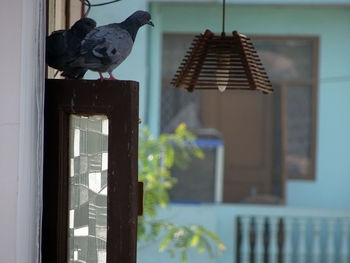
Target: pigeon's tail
(74, 73)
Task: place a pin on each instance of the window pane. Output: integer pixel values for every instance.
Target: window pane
(286, 59)
(88, 155)
(177, 106)
(291, 62)
(299, 130)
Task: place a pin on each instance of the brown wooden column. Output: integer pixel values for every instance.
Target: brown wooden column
(118, 100)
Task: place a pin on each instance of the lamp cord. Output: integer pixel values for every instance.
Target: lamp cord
(223, 17)
(89, 5)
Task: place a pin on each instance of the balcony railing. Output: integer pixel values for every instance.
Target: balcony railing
(284, 234)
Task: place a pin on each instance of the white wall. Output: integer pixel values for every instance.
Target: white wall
(22, 75)
(10, 47)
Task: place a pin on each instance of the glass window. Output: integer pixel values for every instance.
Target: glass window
(291, 64)
(88, 155)
(286, 59)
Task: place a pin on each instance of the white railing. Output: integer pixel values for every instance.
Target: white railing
(288, 235)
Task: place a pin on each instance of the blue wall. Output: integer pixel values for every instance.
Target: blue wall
(330, 189)
(331, 24)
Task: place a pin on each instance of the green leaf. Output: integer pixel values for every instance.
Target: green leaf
(205, 245)
(211, 234)
(181, 128)
(166, 240)
(169, 157)
(194, 240)
(156, 157)
(199, 154)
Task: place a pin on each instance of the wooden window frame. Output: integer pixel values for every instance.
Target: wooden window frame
(314, 83)
(118, 100)
(61, 14)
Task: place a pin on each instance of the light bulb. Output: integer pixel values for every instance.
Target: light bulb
(222, 70)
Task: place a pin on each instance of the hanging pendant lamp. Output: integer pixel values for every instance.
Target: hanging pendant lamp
(222, 62)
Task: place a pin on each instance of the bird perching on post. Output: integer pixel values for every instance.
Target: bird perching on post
(105, 47)
(63, 47)
(223, 63)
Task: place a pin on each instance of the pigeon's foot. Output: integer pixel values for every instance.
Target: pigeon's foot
(111, 77)
(101, 76)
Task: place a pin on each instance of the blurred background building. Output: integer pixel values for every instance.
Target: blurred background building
(275, 158)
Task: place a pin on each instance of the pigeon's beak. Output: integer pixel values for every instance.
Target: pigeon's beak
(150, 23)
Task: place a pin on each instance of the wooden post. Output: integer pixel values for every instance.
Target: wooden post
(118, 100)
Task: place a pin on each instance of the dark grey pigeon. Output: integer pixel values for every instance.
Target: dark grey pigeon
(63, 47)
(105, 47)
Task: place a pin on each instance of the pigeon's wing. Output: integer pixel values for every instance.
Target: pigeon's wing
(107, 45)
(82, 27)
(95, 37)
(117, 46)
(74, 73)
(55, 43)
(63, 48)
(56, 47)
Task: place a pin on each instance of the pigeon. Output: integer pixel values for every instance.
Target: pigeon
(105, 47)
(63, 47)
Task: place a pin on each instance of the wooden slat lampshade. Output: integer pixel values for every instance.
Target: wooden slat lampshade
(222, 62)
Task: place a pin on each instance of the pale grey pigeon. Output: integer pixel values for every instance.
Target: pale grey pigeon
(105, 47)
(63, 47)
